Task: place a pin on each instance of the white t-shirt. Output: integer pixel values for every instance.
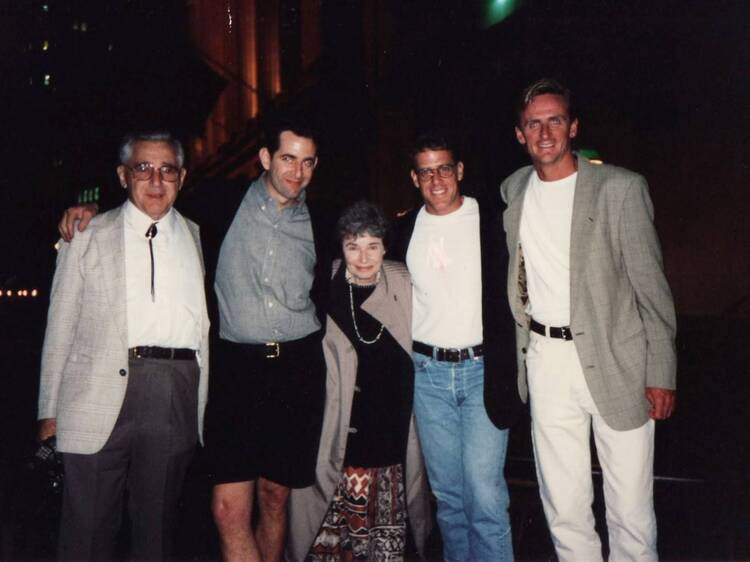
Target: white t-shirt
(444, 259)
(545, 238)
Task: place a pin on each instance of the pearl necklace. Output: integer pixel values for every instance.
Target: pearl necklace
(354, 321)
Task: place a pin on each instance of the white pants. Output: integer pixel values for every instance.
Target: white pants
(563, 413)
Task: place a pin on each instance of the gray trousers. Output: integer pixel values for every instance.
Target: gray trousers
(147, 455)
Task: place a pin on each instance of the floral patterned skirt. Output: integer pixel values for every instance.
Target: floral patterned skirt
(366, 519)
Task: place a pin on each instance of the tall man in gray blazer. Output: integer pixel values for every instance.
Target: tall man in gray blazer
(124, 365)
(595, 330)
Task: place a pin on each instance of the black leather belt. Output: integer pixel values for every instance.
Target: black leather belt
(562, 333)
(274, 350)
(149, 352)
(446, 354)
(271, 349)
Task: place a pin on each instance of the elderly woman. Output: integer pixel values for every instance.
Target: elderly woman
(369, 471)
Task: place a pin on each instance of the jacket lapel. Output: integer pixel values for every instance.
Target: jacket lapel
(377, 306)
(582, 225)
(111, 247)
(512, 215)
(195, 235)
(512, 218)
(403, 229)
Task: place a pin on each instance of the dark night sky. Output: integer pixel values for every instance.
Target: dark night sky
(662, 86)
(126, 69)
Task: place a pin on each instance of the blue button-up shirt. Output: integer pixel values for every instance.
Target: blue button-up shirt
(265, 271)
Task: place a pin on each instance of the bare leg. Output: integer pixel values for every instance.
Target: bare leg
(232, 507)
(272, 502)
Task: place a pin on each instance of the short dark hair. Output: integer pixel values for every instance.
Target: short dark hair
(130, 139)
(362, 218)
(545, 86)
(433, 140)
(297, 124)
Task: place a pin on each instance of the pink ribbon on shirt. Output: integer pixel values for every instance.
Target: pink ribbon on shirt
(437, 257)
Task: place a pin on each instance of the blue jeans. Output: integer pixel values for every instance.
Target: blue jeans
(465, 456)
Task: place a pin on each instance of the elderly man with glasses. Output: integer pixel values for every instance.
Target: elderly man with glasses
(124, 366)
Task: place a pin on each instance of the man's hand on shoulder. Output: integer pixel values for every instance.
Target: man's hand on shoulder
(47, 428)
(81, 214)
(662, 401)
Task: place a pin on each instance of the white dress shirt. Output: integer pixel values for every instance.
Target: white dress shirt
(173, 318)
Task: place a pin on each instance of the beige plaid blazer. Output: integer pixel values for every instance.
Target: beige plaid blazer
(85, 349)
(622, 313)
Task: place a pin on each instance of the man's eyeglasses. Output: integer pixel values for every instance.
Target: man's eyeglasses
(444, 171)
(145, 171)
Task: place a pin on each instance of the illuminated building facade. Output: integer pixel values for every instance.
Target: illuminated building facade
(366, 70)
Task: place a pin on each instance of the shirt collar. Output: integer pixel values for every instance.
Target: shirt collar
(264, 200)
(140, 221)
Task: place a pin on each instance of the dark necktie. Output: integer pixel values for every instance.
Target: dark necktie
(150, 233)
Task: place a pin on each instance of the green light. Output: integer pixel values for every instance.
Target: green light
(589, 153)
(498, 10)
(90, 195)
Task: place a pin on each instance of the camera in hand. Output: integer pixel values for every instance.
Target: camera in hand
(46, 464)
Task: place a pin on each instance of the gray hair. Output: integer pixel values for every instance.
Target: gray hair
(129, 140)
(360, 219)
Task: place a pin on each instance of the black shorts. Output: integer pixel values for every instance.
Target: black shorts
(264, 414)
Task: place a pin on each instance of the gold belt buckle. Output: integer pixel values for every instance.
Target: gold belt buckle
(273, 350)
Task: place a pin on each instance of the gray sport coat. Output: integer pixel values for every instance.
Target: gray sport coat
(622, 313)
(85, 355)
